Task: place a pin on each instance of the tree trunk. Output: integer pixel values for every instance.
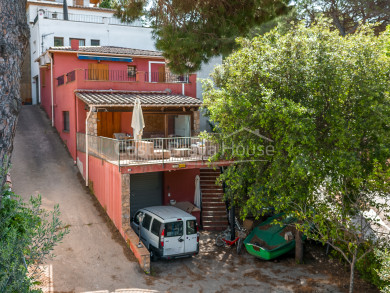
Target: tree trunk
(14, 37)
(352, 272)
(298, 247)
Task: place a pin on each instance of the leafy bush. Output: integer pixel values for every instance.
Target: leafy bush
(384, 269)
(28, 234)
(367, 267)
(106, 4)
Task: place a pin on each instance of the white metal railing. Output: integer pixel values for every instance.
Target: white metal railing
(89, 18)
(148, 150)
(166, 77)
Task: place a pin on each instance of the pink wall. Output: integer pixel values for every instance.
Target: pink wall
(46, 90)
(106, 177)
(64, 98)
(81, 116)
(107, 187)
(181, 185)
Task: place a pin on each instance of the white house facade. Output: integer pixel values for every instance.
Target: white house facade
(91, 25)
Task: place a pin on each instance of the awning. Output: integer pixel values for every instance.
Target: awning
(127, 99)
(104, 58)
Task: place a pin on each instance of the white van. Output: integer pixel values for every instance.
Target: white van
(167, 232)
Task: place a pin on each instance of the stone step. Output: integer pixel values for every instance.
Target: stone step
(214, 212)
(210, 195)
(214, 227)
(209, 182)
(213, 187)
(212, 190)
(208, 178)
(214, 218)
(210, 173)
(209, 170)
(213, 201)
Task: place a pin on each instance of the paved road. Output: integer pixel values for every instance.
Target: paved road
(92, 256)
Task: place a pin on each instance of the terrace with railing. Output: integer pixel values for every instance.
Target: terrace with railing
(128, 152)
(124, 75)
(88, 18)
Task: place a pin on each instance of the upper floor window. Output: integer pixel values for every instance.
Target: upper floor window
(131, 71)
(71, 76)
(81, 41)
(95, 42)
(60, 80)
(58, 42)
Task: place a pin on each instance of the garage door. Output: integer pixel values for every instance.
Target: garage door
(145, 190)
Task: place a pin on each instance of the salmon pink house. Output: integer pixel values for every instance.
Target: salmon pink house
(89, 94)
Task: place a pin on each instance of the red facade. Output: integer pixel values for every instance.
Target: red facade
(67, 73)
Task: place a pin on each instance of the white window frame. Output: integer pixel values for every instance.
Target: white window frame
(150, 67)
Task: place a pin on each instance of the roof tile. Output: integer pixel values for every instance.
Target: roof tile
(111, 50)
(127, 98)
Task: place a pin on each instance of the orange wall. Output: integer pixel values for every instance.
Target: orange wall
(126, 122)
(107, 187)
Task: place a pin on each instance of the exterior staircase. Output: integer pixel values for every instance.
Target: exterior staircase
(214, 216)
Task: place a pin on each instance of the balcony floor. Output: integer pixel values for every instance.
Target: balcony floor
(126, 160)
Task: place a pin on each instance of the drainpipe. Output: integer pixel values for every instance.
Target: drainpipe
(182, 89)
(51, 89)
(86, 146)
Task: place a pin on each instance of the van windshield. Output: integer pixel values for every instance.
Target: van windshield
(174, 229)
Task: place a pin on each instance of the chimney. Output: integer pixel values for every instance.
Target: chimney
(74, 44)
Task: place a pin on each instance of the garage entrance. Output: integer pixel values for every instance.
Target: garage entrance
(146, 190)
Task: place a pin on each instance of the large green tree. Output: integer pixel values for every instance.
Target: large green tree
(14, 36)
(307, 116)
(347, 15)
(190, 32)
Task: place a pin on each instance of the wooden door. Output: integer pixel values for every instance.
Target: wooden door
(161, 74)
(97, 71)
(108, 123)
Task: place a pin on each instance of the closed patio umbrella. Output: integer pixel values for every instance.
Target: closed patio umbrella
(197, 191)
(137, 121)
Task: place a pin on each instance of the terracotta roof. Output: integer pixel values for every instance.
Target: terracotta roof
(127, 98)
(110, 50)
